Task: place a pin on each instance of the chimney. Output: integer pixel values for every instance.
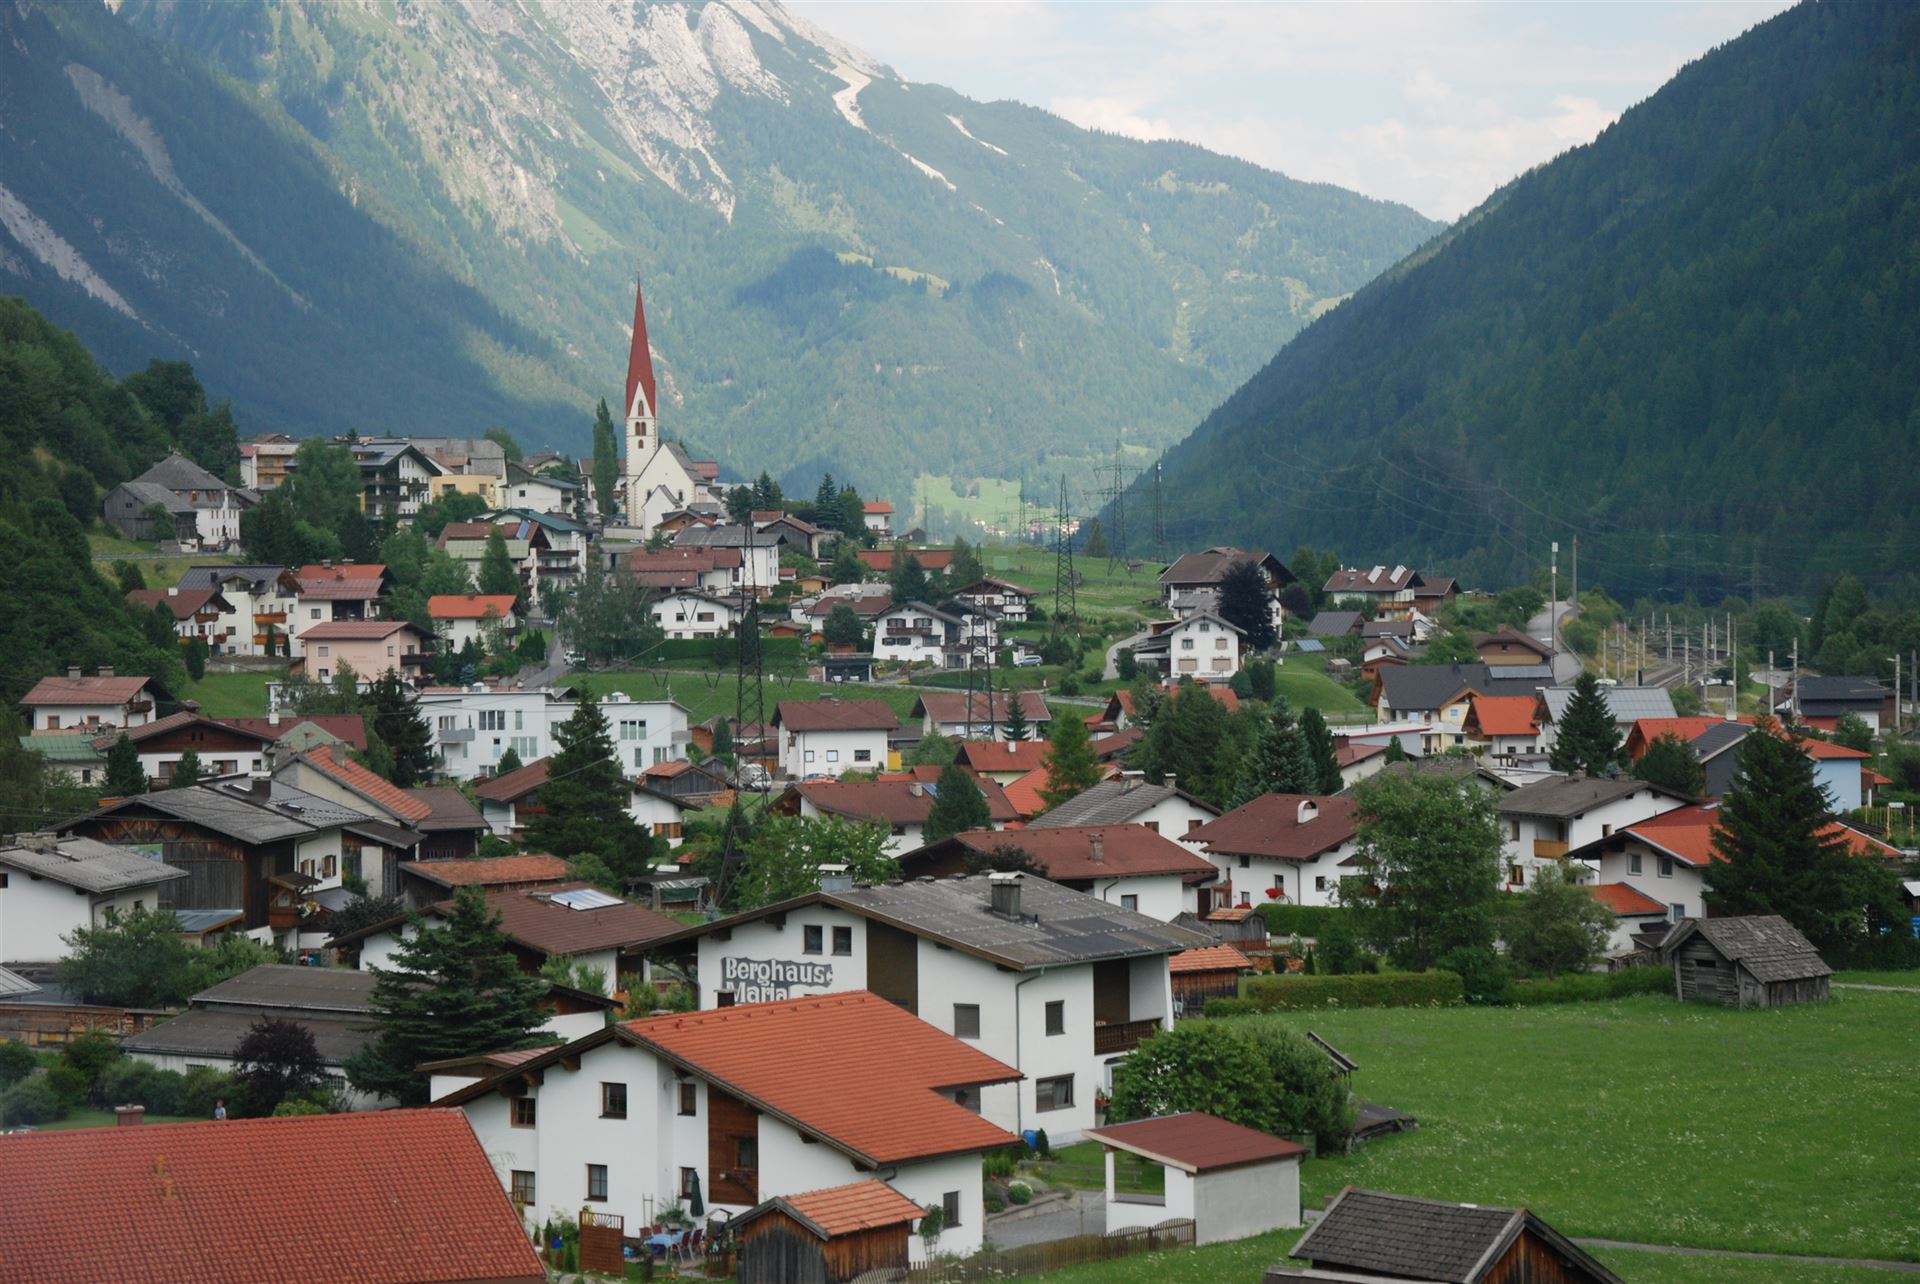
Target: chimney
(1003, 891)
(1308, 810)
(273, 716)
(1097, 847)
(105, 670)
(1167, 780)
(916, 789)
(129, 1116)
(174, 591)
(261, 787)
(73, 673)
(191, 706)
(1132, 780)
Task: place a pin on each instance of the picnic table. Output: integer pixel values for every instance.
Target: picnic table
(665, 1242)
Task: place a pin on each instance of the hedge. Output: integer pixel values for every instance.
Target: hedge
(1367, 990)
(1593, 987)
(1301, 920)
(720, 651)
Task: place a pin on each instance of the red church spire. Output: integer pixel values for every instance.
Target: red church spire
(640, 363)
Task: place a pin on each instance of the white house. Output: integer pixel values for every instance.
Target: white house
(1125, 865)
(196, 612)
(832, 736)
(1291, 849)
(915, 633)
(983, 715)
(660, 814)
(902, 805)
(1057, 983)
(745, 1105)
(262, 615)
(1204, 646)
(201, 509)
(460, 618)
(1130, 800)
(474, 725)
(645, 732)
(78, 703)
(686, 613)
(1546, 820)
(538, 492)
(1007, 600)
(52, 884)
(759, 552)
(1228, 1180)
(878, 516)
(1508, 726)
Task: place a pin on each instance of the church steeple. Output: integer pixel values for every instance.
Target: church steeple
(640, 386)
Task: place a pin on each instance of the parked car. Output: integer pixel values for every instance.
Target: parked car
(754, 777)
(1028, 660)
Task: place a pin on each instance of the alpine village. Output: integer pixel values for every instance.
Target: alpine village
(634, 648)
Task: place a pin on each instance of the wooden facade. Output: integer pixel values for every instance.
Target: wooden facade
(777, 1249)
(1702, 974)
(222, 873)
(1531, 1259)
(733, 1161)
(893, 965)
(1191, 990)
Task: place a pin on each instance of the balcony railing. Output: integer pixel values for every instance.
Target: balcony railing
(455, 735)
(1549, 849)
(1123, 1036)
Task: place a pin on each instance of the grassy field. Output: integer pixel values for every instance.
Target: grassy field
(1641, 1120)
(159, 572)
(88, 1117)
(231, 695)
(1104, 589)
(708, 695)
(1909, 980)
(1304, 682)
(1083, 1165)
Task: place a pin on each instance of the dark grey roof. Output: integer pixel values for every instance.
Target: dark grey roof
(1387, 629)
(1843, 690)
(205, 920)
(86, 864)
(1627, 704)
(1718, 738)
(176, 472)
(725, 537)
(1765, 944)
(217, 809)
(1428, 686)
(212, 577)
(1331, 624)
(12, 984)
(1567, 796)
(1517, 679)
(1113, 802)
(209, 1032)
(285, 985)
(1377, 1234)
(1452, 764)
(153, 493)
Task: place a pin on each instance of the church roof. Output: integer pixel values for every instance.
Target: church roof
(640, 359)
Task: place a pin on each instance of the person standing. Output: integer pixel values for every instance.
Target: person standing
(220, 1109)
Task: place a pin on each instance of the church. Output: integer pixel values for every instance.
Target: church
(660, 478)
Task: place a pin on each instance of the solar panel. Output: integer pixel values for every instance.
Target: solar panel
(586, 898)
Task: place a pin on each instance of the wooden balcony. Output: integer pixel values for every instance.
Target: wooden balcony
(1549, 849)
(1123, 1036)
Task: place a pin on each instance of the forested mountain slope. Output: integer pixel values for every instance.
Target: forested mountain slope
(1694, 342)
(429, 217)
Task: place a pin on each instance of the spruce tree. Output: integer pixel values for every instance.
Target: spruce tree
(454, 990)
(397, 721)
(125, 775)
(1588, 739)
(826, 502)
(606, 463)
(907, 580)
(509, 761)
(497, 575)
(1246, 604)
(1071, 766)
(1670, 763)
(1017, 727)
(584, 802)
(1321, 753)
(958, 805)
(1282, 764)
(186, 772)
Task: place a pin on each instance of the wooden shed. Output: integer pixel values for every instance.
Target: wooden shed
(826, 1236)
(1760, 961)
(1212, 971)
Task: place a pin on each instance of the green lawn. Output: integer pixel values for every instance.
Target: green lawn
(1909, 979)
(88, 1117)
(1083, 1165)
(708, 695)
(1779, 1131)
(1304, 682)
(159, 572)
(232, 695)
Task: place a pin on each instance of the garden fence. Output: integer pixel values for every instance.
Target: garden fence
(1076, 1250)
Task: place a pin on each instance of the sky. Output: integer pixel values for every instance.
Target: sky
(1434, 105)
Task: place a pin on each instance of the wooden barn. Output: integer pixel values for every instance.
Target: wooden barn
(1212, 971)
(1367, 1235)
(1760, 961)
(826, 1236)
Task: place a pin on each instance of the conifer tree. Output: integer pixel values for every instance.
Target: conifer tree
(1320, 753)
(1588, 738)
(496, 569)
(1282, 763)
(584, 802)
(396, 720)
(907, 580)
(826, 502)
(606, 463)
(509, 761)
(186, 772)
(1246, 604)
(1071, 766)
(958, 805)
(1670, 763)
(1017, 727)
(454, 990)
(125, 775)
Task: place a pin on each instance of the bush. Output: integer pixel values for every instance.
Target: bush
(1483, 974)
(201, 1088)
(996, 1163)
(1303, 920)
(1041, 1145)
(16, 1062)
(1018, 1192)
(91, 1055)
(31, 1101)
(70, 1084)
(1591, 987)
(298, 1106)
(1382, 990)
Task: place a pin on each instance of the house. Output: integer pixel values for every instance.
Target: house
(1366, 1235)
(1388, 592)
(202, 511)
(395, 477)
(297, 733)
(557, 546)
(73, 756)
(475, 726)
(934, 561)
(265, 459)
(867, 607)
(78, 703)
(1230, 1181)
(661, 814)
(1125, 865)
(51, 885)
(261, 615)
(368, 647)
(1056, 983)
(691, 782)
(1201, 645)
(877, 515)
(1546, 820)
(335, 1006)
(1007, 600)
(1336, 624)
(452, 828)
(1002, 761)
(222, 748)
(346, 591)
(1433, 693)
(1627, 704)
(1293, 849)
(510, 799)
(903, 805)
(1821, 702)
(714, 571)
(329, 773)
(1130, 800)
(792, 532)
(1193, 582)
(915, 633)
(566, 920)
(961, 716)
(1509, 645)
(1358, 759)
(424, 882)
(460, 618)
(690, 613)
(1756, 961)
(190, 1200)
(1636, 915)
(1205, 972)
(1434, 592)
(466, 542)
(196, 612)
(1507, 726)
(1716, 742)
(744, 1105)
(540, 492)
(759, 552)
(835, 1236)
(831, 736)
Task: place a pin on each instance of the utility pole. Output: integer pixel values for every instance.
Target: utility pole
(1159, 520)
(1576, 570)
(1065, 605)
(1793, 696)
(750, 699)
(1733, 674)
(1895, 657)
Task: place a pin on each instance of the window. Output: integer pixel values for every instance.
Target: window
(1606, 831)
(493, 720)
(327, 867)
(523, 1112)
(863, 755)
(723, 999)
(1665, 867)
(523, 1188)
(1633, 862)
(519, 719)
(613, 1101)
(1676, 912)
(843, 941)
(633, 729)
(809, 755)
(1513, 831)
(1246, 862)
(1319, 882)
(689, 1179)
(597, 1183)
(1130, 902)
(323, 651)
(1151, 825)
(314, 614)
(527, 747)
(1053, 1094)
(968, 1098)
(950, 1206)
(833, 755)
(669, 829)
(1194, 823)
(811, 939)
(1057, 1017)
(1517, 874)
(746, 1153)
(1186, 644)
(689, 1097)
(966, 1020)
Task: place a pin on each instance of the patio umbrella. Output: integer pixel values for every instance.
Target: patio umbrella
(696, 1207)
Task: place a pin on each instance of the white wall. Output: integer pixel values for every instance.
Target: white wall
(832, 752)
(1243, 1201)
(1680, 885)
(1314, 882)
(1161, 896)
(1841, 779)
(761, 941)
(36, 912)
(1588, 827)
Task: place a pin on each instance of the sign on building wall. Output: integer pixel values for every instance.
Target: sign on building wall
(764, 980)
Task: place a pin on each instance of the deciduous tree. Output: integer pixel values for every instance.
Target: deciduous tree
(275, 1061)
(1259, 1075)
(1555, 925)
(1429, 856)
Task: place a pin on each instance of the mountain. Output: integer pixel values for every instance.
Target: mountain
(1694, 343)
(429, 217)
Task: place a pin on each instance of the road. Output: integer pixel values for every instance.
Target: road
(1545, 627)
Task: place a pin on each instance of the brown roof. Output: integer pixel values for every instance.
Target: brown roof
(182, 602)
(1270, 827)
(930, 559)
(470, 606)
(864, 607)
(530, 918)
(836, 715)
(1208, 958)
(172, 722)
(491, 871)
(339, 590)
(897, 802)
(355, 630)
(513, 785)
(1196, 1143)
(72, 691)
(1209, 567)
(347, 727)
(1067, 853)
(449, 810)
(1003, 755)
(1506, 636)
(328, 760)
(1372, 579)
(987, 710)
(680, 560)
(362, 571)
(842, 1210)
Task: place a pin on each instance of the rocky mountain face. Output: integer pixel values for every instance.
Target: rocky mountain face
(430, 216)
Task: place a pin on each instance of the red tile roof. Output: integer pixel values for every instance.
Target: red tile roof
(341, 571)
(329, 760)
(988, 711)
(1023, 795)
(513, 785)
(470, 606)
(836, 715)
(795, 1059)
(1819, 749)
(1647, 730)
(1622, 899)
(490, 872)
(1348, 753)
(208, 1203)
(930, 559)
(82, 691)
(1003, 755)
(876, 506)
(893, 801)
(1111, 746)
(1196, 1143)
(1686, 834)
(1270, 827)
(1126, 851)
(182, 603)
(1504, 715)
(842, 1210)
(1208, 958)
(347, 590)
